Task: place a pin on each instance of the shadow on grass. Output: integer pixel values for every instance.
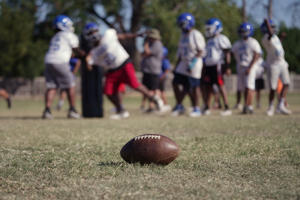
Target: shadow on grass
(29, 118)
(110, 164)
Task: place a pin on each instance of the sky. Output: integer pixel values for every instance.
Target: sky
(281, 10)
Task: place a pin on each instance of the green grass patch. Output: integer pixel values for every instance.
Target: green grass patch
(235, 157)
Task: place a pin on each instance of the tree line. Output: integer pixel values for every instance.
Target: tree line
(26, 26)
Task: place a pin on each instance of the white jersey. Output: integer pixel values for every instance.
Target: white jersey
(214, 50)
(189, 45)
(244, 50)
(60, 49)
(109, 54)
(274, 49)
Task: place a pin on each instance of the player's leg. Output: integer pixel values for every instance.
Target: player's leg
(162, 85)
(284, 74)
(6, 96)
(51, 85)
(71, 94)
(112, 91)
(144, 98)
(49, 97)
(180, 88)
(273, 76)
(250, 88)
(66, 81)
(127, 75)
(223, 92)
(61, 100)
(194, 97)
(207, 83)
(207, 104)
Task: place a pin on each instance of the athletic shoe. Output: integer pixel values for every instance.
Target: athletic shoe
(226, 112)
(284, 110)
(158, 102)
(178, 110)
(195, 113)
(164, 109)
(8, 101)
(47, 114)
(270, 111)
(150, 110)
(247, 110)
(73, 114)
(122, 115)
(206, 112)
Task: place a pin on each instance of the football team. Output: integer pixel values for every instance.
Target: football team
(199, 70)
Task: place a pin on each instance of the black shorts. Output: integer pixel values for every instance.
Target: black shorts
(151, 81)
(211, 75)
(183, 80)
(259, 84)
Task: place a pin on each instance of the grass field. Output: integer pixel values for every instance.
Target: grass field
(235, 157)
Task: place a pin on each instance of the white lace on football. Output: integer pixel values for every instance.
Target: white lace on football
(141, 137)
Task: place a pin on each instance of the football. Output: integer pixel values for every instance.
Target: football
(150, 148)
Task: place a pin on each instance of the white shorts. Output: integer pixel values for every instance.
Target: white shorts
(259, 72)
(246, 81)
(278, 70)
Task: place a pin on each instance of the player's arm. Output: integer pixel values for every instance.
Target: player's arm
(193, 62)
(164, 75)
(124, 36)
(147, 51)
(77, 66)
(78, 52)
(227, 54)
(256, 56)
(269, 28)
(89, 62)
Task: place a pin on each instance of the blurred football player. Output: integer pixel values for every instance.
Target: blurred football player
(277, 67)
(216, 62)
(247, 52)
(57, 71)
(151, 65)
(188, 68)
(165, 69)
(110, 54)
(6, 96)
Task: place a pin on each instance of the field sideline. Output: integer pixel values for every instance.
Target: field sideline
(235, 157)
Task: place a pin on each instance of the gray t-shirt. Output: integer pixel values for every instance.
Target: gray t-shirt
(152, 64)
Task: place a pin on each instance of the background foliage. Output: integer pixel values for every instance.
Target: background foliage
(26, 26)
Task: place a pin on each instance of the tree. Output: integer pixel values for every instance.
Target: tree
(162, 15)
(20, 55)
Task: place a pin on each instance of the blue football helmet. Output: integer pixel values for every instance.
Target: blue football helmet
(264, 28)
(63, 23)
(246, 29)
(186, 21)
(213, 26)
(91, 32)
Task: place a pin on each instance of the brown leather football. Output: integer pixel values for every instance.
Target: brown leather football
(150, 148)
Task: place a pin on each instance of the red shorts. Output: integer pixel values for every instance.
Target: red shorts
(122, 88)
(124, 75)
